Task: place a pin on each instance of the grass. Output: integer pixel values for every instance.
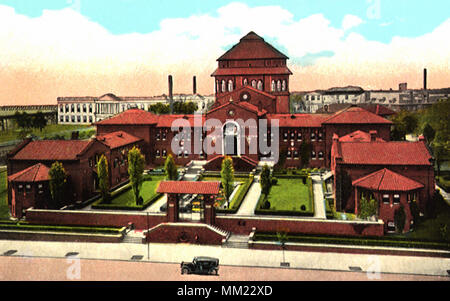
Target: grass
(290, 195)
(126, 198)
(49, 131)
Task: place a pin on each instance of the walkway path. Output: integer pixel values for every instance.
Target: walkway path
(444, 194)
(251, 199)
(319, 203)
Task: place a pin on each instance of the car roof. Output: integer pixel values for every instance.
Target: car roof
(202, 258)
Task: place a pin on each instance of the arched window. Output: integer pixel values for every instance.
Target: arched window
(223, 86)
(260, 85)
(254, 84)
(273, 86)
(230, 85)
(245, 82)
(278, 85)
(283, 85)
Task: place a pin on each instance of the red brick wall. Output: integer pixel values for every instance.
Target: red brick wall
(59, 217)
(184, 234)
(245, 225)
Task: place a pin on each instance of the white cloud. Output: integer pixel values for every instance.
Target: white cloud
(66, 41)
(351, 21)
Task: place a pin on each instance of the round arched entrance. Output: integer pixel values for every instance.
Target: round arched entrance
(231, 145)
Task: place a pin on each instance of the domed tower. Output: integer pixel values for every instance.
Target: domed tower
(256, 66)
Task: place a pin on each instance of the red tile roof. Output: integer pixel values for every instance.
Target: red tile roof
(167, 120)
(35, 173)
(384, 153)
(132, 116)
(355, 115)
(52, 150)
(252, 71)
(243, 104)
(187, 187)
(252, 46)
(387, 180)
(117, 139)
(298, 120)
(358, 136)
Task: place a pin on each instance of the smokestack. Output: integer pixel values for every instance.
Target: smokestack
(425, 78)
(194, 83)
(171, 93)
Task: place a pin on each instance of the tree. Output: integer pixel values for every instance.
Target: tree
(265, 180)
(227, 177)
(410, 122)
(399, 219)
(367, 207)
(305, 153)
(170, 168)
(136, 165)
(103, 178)
(58, 180)
(428, 132)
(39, 121)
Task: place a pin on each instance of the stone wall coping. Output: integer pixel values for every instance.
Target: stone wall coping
(300, 219)
(123, 212)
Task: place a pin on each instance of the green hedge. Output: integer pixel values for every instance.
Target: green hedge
(146, 204)
(355, 241)
(74, 229)
(236, 203)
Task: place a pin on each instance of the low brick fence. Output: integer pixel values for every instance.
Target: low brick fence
(140, 220)
(59, 236)
(243, 225)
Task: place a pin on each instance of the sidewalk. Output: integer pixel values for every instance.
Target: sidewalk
(319, 203)
(251, 199)
(175, 253)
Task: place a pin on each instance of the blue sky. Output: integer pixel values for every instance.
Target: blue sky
(407, 18)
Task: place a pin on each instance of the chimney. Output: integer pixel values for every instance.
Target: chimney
(171, 93)
(403, 87)
(422, 138)
(425, 78)
(194, 85)
(373, 136)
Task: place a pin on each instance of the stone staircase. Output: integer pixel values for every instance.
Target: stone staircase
(193, 171)
(222, 232)
(133, 238)
(236, 241)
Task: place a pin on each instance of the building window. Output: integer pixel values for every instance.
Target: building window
(157, 153)
(90, 108)
(84, 108)
(313, 136)
(164, 135)
(223, 86)
(289, 155)
(61, 118)
(245, 82)
(180, 153)
(278, 85)
(320, 155)
(186, 153)
(396, 199)
(73, 118)
(313, 155)
(283, 85)
(285, 136)
(61, 109)
(84, 119)
(296, 155)
(20, 188)
(391, 226)
(273, 86)
(292, 135)
(164, 153)
(67, 108)
(260, 85)
(78, 118)
(90, 119)
(230, 85)
(78, 108)
(320, 136)
(158, 135)
(72, 108)
(313, 97)
(28, 187)
(299, 136)
(386, 199)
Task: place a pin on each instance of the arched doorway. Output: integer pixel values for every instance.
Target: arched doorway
(231, 139)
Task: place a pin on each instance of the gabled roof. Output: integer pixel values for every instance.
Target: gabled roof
(354, 115)
(52, 150)
(384, 153)
(167, 120)
(131, 116)
(358, 136)
(298, 120)
(35, 173)
(117, 139)
(188, 187)
(242, 104)
(252, 46)
(373, 108)
(387, 180)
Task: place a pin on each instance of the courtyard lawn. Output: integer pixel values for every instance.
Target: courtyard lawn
(47, 132)
(125, 199)
(289, 196)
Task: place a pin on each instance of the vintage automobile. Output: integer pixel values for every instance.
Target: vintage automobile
(201, 265)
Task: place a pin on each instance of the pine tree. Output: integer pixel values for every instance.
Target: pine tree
(103, 178)
(136, 165)
(58, 179)
(171, 168)
(227, 175)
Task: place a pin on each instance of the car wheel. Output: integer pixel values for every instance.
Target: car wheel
(184, 271)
